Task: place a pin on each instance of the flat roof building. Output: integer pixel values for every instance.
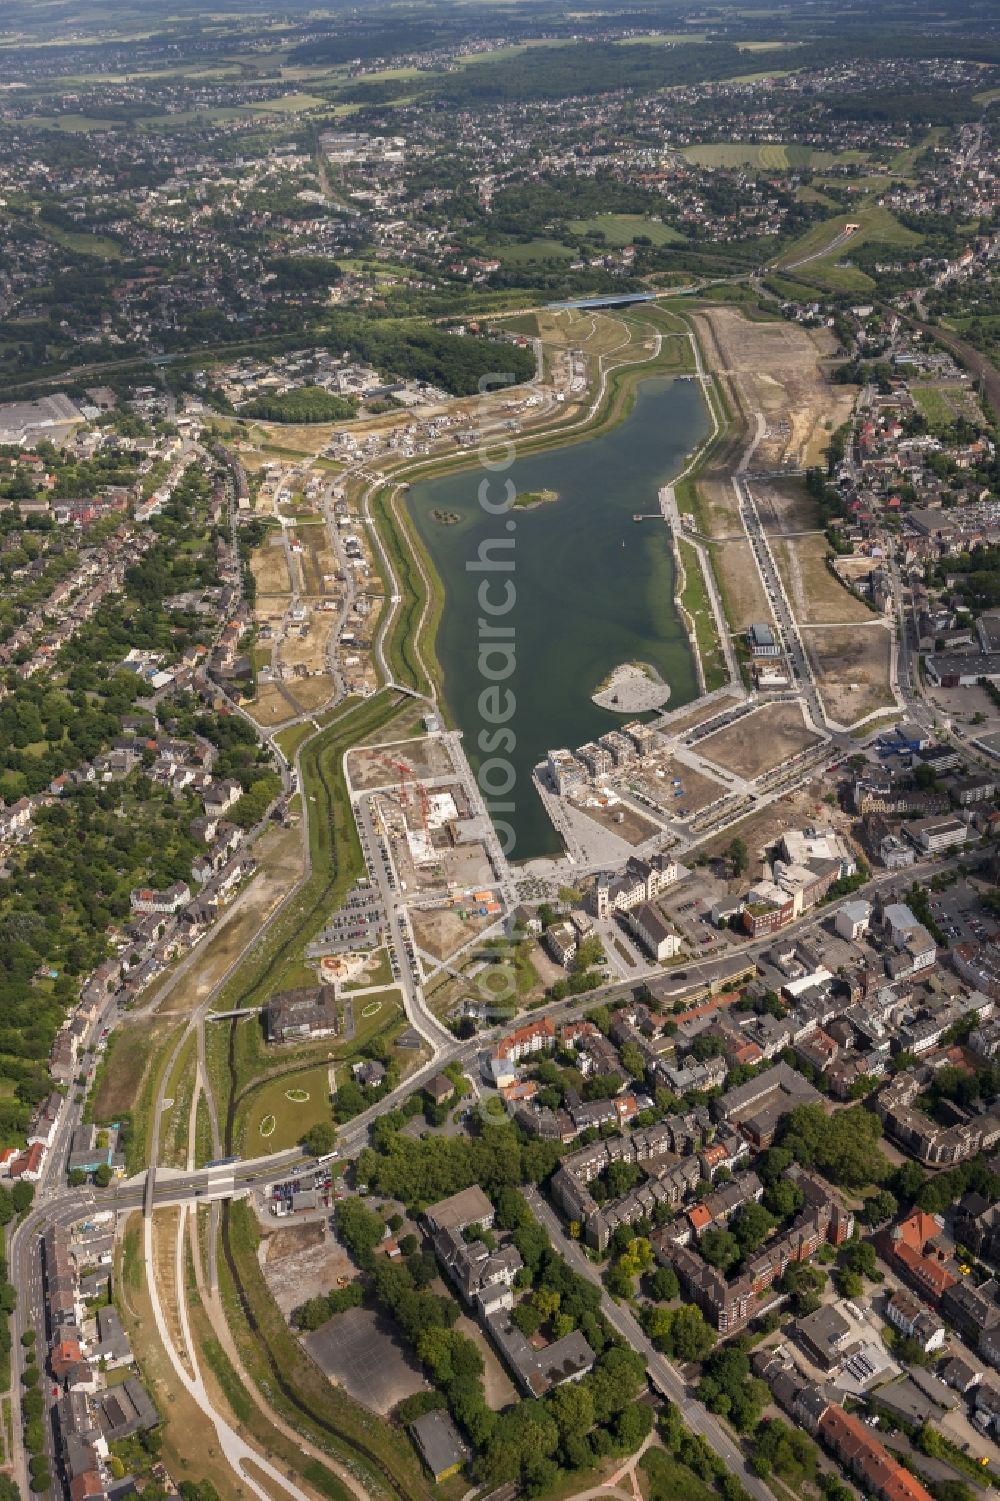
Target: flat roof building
(440, 1445)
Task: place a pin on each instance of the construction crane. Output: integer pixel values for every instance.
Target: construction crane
(404, 772)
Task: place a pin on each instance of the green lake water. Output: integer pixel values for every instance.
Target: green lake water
(584, 602)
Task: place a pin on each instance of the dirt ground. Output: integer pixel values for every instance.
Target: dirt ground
(761, 830)
(698, 714)
(279, 855)
(622, 819)
(309, 650)
(760, 741)
(362, 1351)
(428, 757)
(312, 693)
(121, 1081)
(317, 559)
(270, 568)
(301, 1262)
(698, 790)
(440, 932)
(271, 608)
(777, 368)
(786, 506)
(740, 583)
(270, 706)
(852, 668)
(816, 596)
(500, 1390)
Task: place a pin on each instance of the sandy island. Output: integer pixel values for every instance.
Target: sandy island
(632, 688)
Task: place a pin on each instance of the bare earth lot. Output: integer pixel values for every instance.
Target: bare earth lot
(777, 368)
(852, 668)
(440, 933)
(622, 819)
(302, 1262)
(816, 596)
(753, 745)
(270, 569)
(698, 713)
(740, 583)
(785, 506)
(425, 758)
(762, 830)
(698, 790)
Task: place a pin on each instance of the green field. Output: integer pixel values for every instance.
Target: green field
(876, 224)
(621, 229)
(769, 155)
(539, 249)
(256, 1136)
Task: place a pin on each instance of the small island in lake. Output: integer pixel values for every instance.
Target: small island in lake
(526, 500)
(445, 518)
(632, 688)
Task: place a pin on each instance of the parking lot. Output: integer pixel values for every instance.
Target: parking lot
(961, 916)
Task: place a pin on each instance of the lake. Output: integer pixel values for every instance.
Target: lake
(577, 587)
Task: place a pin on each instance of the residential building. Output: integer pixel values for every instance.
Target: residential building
(654, 932)
(857, 1448)
(468, 1207)
(914, 1320)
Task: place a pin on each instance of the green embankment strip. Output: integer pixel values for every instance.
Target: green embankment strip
(174, 1123)
(297, 1389)
(336, 862)
(401, 638)
(138, 1144)
(694, 598)
(203, 1151)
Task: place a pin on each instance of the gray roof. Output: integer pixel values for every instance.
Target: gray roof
(438, 1440)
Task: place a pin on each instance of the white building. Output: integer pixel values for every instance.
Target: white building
(852, 920)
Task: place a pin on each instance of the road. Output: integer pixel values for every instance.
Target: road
(664, 1376)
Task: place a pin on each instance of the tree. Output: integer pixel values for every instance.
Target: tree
(880, 1207)
(572, 1407)
(690, 1337)
(663, 1284)
(784, 1198)
(739, 858)
(320, 1138)
(751, 1225)
(22, 1195)
(359, 1227)
(102, 1175)
(843, 1147)
(720, 1248)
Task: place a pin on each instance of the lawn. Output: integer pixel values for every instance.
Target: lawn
(695, 600)
(271, 1121)
(876, 224)
(519, 254)
(770, 155)
(621, 229)
(942, 404)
